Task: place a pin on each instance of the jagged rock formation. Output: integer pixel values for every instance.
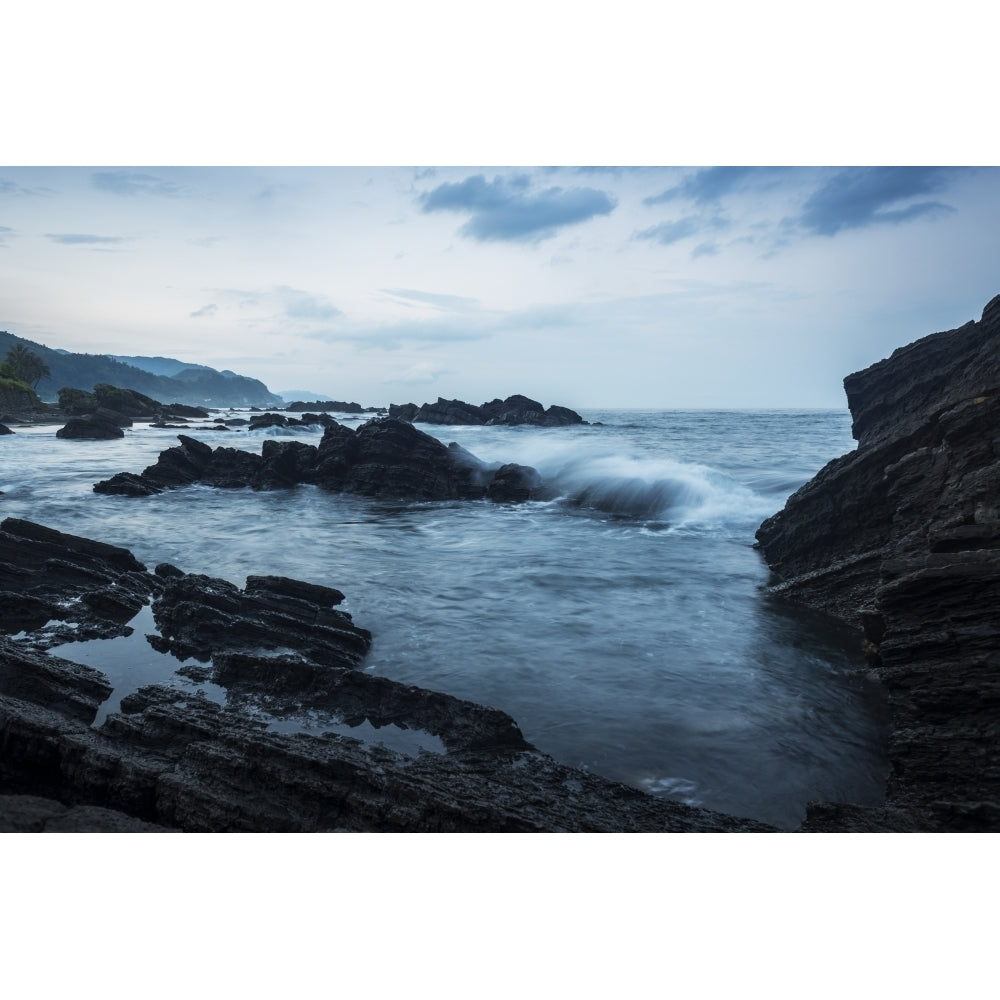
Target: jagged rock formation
(510, 411)
(383, 458)
(172, 758)
(902, 538)
(328, 405)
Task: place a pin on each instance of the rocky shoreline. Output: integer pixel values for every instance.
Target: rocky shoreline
(901, 538)
(174, 759)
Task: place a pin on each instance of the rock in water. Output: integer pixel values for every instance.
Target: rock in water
(902, 538)
(382, 458)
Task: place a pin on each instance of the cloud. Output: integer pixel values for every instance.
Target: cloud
(710, 184)
(210, 310)
(205, 241)
(12, 187)
(126, 183)
(505, 209)
(3, 230)
(71, 239)
(705, 250)
(298, 304)
(672, 232)
(861, 196)
(455, 303)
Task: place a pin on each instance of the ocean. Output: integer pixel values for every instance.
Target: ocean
(625, 625)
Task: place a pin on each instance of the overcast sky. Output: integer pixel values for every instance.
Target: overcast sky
(589, 287)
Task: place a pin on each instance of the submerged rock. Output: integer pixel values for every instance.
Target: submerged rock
(902, 539)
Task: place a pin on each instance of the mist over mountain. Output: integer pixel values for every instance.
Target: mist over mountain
(165, 379)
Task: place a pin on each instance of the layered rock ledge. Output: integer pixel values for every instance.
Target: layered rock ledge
(902, 539)
(382, 458)
(283, 653)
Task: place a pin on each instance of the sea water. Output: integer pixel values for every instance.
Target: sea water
(624, 624)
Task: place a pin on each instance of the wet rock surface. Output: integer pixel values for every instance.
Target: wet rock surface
(902, 539)
(382, 458)
(282, 649)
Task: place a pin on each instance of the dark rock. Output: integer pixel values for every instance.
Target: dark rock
(178, 410)
(286, 463)
(403, 411)
(325, 597)
(33, 814)
(331, 404)
(902, 538)
(127, 484)
(316, 419)
(268, 420)
(48, 575)
(90, 427)
(514, 484)
(4, 429)
(511, 411)
(201, 616)
(448, 411)
(382, 458)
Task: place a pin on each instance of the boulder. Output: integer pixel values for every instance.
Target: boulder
(90, 428)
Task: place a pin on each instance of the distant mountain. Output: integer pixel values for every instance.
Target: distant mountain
(294, 395)
(195, 385)
(158, 366)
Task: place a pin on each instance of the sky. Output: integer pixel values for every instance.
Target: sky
(662, 287)
(683, 279)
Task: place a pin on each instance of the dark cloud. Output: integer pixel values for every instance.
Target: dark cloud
(505, 209)
(863, 196)
(710, 184)
(210, 310)
(72, 239)
(125, 182)
(303, 305)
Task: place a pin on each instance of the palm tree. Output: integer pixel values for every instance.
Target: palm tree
(25, 365)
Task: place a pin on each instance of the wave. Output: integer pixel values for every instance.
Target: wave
(595, 475)
(682, 495)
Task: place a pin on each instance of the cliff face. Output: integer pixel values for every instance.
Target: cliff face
(902, 538)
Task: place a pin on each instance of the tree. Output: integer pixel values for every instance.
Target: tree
(25, 365)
